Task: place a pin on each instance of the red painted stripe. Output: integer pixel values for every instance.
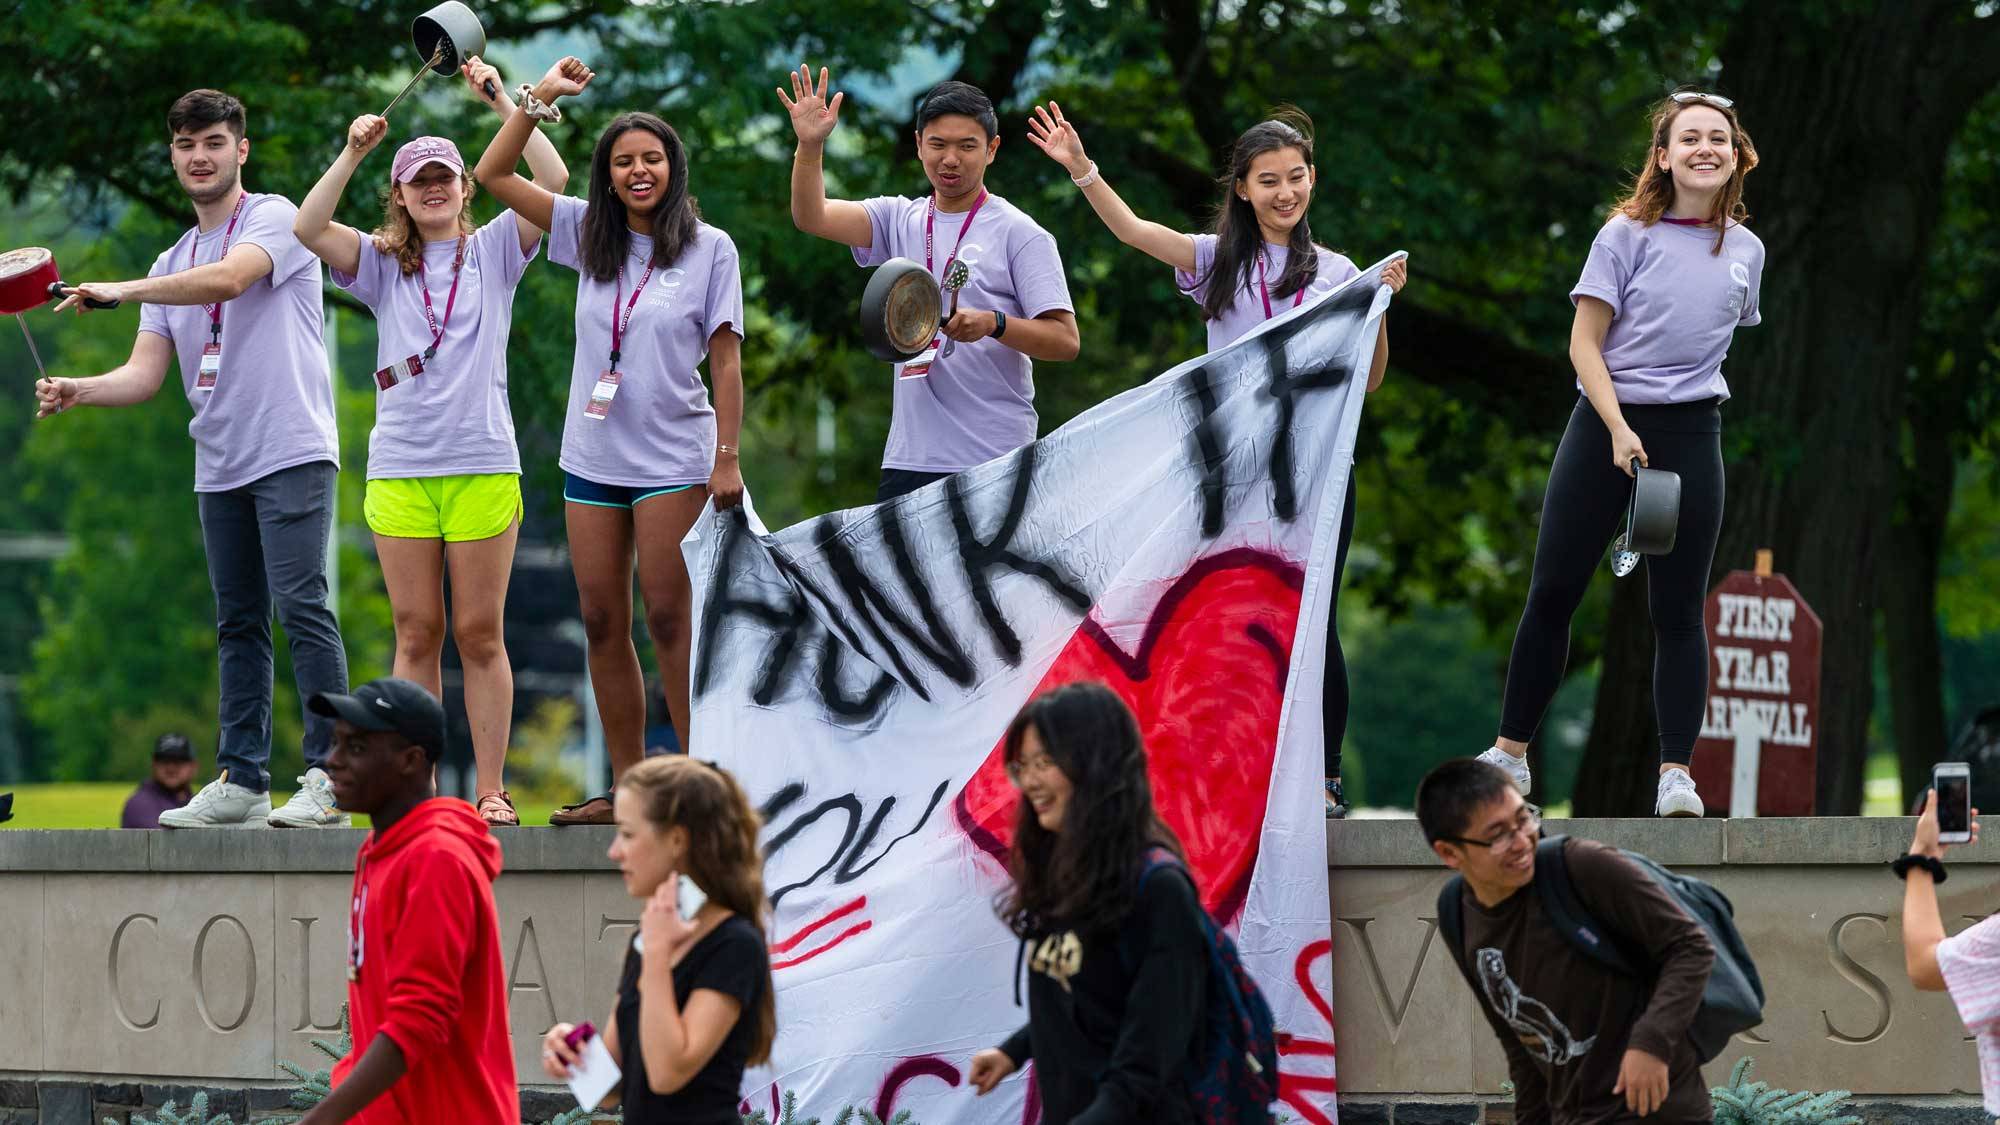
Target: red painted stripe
(786, 945)
(817, 950)
(1309, 1047)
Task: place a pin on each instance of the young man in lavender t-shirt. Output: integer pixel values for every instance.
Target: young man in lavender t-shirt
(237, 301)
(970, 398)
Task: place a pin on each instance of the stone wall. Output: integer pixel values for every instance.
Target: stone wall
(209, 957)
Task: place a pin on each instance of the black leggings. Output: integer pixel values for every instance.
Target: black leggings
(1333, 691)
(1583, 511)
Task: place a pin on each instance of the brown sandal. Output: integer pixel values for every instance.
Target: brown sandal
(497, 810)
(595, 810)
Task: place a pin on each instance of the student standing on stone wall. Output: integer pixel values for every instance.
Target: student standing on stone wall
(444, 475)
(1583, 1044)
(950, 411)
(1966, 966)
(1260, 261)
(658, 293)
(237, 300)
(1670, 277)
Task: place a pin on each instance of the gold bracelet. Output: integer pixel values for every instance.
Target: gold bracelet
(722, 448)
(797, 158)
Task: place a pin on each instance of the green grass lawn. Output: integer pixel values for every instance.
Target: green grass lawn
(97, 804)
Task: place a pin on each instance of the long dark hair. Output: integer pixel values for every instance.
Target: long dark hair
(1238, 239)
(606, 238)
(723, 858)
(1653, 191)
(1084, 878)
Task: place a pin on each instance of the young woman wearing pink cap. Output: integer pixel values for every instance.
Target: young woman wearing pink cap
(444, 476)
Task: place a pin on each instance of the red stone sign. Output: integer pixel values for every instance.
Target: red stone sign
(1763, 688)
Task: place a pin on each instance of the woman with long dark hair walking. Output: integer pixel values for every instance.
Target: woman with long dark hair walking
(1117, 964)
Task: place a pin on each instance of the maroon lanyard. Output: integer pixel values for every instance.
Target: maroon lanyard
(618, 327)
(1297, 298)
(437, 330)
(215, 310)
(930, 219)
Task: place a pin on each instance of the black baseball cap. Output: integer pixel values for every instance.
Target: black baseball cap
(389, 704)
(173, 747)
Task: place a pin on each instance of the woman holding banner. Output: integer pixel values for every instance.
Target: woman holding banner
(658, 291)
(444, 475)
(1670, 277)
(1108, 917)
(1257, 262)
(695, 1002)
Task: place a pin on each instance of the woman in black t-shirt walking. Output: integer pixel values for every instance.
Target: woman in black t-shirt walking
(694, 1003)
(1117, 964)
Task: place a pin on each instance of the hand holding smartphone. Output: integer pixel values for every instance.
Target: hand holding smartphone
(1952, 782)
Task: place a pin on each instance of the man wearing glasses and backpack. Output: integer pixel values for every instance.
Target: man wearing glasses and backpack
(1584, 1043)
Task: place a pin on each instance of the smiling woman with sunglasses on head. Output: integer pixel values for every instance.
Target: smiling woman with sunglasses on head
(1670, 277)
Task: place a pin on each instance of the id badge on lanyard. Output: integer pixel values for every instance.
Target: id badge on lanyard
(402, 371)
(211, 352)
(919, 366)
(408, 368)
(606, 390)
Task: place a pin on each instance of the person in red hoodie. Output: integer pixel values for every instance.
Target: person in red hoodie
(425, 988)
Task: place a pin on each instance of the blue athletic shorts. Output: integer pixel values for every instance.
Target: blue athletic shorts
(577, 490)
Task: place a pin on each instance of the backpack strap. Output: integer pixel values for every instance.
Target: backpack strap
(1565, 911)
(1451, 925)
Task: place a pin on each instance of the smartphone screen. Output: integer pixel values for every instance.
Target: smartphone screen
(1954, 805)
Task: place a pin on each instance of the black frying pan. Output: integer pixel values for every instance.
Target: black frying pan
(900, 310)
(1652, 519)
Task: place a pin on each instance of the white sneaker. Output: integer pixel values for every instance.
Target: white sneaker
(312, 806)
(1677, 795)
(220, 805)
(1517, 768)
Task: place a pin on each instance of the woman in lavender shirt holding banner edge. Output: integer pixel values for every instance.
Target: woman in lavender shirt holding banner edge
(658, 291)
(1253, 266)
(1670, 277)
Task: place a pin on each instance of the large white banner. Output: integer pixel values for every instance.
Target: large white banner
(859, 670)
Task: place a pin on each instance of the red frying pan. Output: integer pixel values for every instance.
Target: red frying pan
(29, 279)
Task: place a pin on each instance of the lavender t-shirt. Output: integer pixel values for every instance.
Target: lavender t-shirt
(1247, 311)
(453, 418)
(1674, 305)
(979, 402)
(272, 405)
(661, 429)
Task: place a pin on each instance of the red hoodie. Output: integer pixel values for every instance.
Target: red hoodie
(429, 974)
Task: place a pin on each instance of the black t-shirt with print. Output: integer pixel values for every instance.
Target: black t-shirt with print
(731, 959)
(1114, 1018)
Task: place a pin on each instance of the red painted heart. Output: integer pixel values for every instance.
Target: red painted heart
(1207, 682)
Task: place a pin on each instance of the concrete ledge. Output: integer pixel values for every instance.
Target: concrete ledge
(275, 851)
(1712, 842)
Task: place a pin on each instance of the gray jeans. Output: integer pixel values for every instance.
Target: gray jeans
(266, 545)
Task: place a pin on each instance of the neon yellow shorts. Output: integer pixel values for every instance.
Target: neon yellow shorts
(455, 509)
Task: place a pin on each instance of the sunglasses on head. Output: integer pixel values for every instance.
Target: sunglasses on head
(1716, 100)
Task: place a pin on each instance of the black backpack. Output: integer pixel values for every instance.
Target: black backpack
(1734, 999)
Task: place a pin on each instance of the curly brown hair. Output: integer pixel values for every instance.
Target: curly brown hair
(397, 236)
(1653, 190)
(723, 858)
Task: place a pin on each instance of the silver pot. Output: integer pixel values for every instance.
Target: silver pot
(451, 31)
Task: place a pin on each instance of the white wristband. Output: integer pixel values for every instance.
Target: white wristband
(1088, 178)
(535, 108)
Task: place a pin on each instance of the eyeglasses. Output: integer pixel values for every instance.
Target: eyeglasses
(1716, 100)
(1020, 768)
(1528, 825)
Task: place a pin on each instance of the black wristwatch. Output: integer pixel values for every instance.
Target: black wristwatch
(999, 324)
(1901, 866)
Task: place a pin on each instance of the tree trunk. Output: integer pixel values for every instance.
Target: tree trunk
(1621, 761)
(1808, 441)
(1913, 545)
